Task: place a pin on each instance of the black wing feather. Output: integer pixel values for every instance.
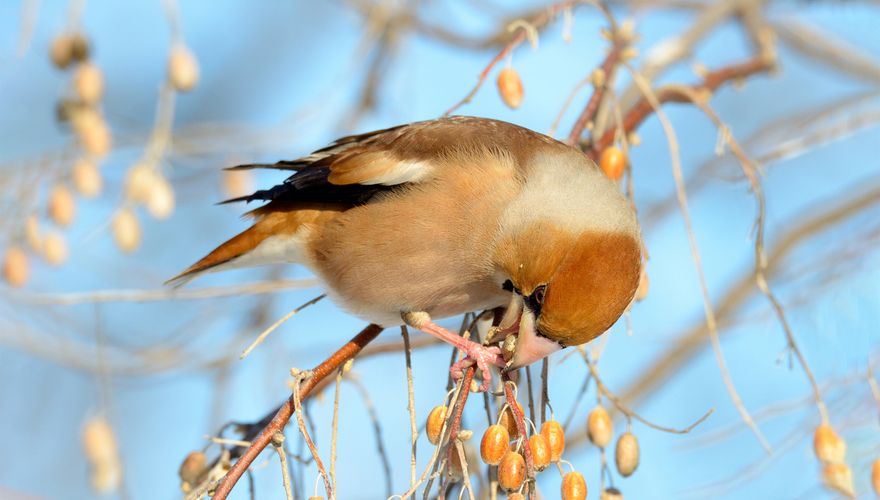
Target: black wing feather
(311, 185)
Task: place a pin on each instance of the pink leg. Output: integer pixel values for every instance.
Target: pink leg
(475, 353)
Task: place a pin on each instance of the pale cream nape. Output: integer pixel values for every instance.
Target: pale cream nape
(569, 191)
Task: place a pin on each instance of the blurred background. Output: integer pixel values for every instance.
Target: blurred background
(90, 338)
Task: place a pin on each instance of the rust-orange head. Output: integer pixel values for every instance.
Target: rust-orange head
(569, 252)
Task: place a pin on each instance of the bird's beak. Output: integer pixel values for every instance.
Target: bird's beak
(530, 346)
(519, 332)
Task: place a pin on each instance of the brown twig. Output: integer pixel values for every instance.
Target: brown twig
(710, 83)
(842, 207)
(301, 424)
(520, 420)
(541, 19)
(708, 310)
(410, 404)
(328, 366)
(750, 170)
(278, 444)
(377, 430)
(618, 403)
(600, 78)
(459, 408)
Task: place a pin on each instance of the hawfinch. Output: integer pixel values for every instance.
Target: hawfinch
(442, 217)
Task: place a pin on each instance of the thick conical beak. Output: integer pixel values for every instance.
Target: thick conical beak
(530, 346)
(509, 322)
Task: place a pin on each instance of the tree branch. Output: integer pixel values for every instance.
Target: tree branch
(282, 416)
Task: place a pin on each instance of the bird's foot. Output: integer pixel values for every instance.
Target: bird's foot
(483, 357)
(475, 354)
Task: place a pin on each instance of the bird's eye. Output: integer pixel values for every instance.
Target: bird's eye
(538, 294)
(507, 286)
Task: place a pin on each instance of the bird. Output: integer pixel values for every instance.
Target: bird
(442, 217)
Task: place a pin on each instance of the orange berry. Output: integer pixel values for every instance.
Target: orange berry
(540, 451)
(183, 69)
(829, 447)
(192, 467)
(102, 453)
(32, 233)
(613, 162)
(512, 471)
(508, 420)
(15, 267)
(92, 131)
(139, 181)
(574, 487)
(510, 87)
(875, 476)
(644, 285)
(67, 48)
(237, 183)
(160, 198)
(62, 206)
(88, 82)
(838, 476)
(552, 431)
(611, 494)
(87, 178)
(516, 496)
(494, 444)
(599, 427)
(126, 230)
(61, 51)
(435, 423)
(55, 249)
(626, 455)
(79, 47)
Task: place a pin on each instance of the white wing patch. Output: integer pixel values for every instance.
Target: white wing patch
(402, 173)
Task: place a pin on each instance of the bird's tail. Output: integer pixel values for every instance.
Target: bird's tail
(279, 235)
(222, 257)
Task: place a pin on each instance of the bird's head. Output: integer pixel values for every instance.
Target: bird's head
(572, 265)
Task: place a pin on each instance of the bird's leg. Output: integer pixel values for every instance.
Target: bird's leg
(475, 353)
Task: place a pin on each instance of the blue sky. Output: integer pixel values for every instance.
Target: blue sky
(285, 74)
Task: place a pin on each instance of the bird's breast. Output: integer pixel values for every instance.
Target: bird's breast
(425, 247)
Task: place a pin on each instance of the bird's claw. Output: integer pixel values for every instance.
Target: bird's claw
(483, 357)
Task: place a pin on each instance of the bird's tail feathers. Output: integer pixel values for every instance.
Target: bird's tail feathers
(226, 256)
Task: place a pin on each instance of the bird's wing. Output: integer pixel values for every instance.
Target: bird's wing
(354, 168)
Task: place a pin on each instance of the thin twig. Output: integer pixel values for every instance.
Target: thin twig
(849, 202)
(334, 431)
(278, 444)
(459, 449)
(377, 430)
(301, 424)
(751, 172)
(522, 32)
(158, 295)
(872, 383)
(601, 78)
(531, 397)
(673, 93)
(582, 391)
(410, 404)
(711, 322)
(603, 390)
(262, 336)
(282, 416)
(545, 392)
(520, 420)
